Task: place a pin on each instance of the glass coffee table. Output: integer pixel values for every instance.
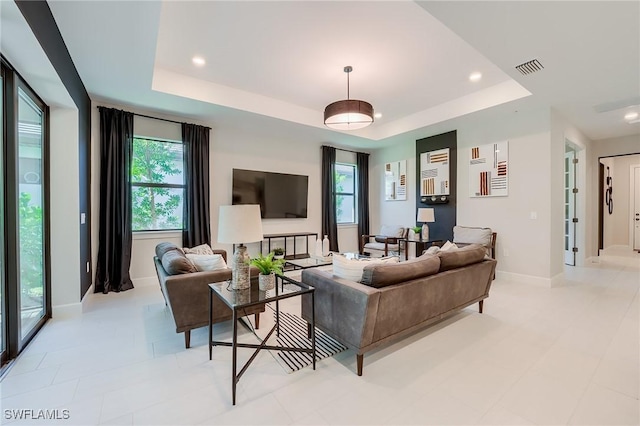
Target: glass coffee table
(237, 300)
(308, 262)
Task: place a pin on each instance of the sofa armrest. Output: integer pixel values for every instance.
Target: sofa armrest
(344, 309)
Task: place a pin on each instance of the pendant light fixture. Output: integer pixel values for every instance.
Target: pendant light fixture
(348, 114)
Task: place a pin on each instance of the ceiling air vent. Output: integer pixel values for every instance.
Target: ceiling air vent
(529, 67)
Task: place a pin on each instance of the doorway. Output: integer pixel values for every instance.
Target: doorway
(635, 206)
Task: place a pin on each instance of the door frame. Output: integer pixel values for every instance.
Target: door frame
(632, 203)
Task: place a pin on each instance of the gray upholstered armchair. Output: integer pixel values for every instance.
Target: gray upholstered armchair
(186, 291)
(388, 241)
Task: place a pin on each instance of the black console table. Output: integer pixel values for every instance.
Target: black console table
(269, 237)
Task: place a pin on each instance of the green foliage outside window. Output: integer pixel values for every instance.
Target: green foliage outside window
(155, 207)
(31, 246)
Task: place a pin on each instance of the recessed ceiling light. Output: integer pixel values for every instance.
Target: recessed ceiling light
(475, 76)
(631, 116)
(377, 115)
(199, 61)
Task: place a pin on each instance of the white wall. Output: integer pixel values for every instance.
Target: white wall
(523, 244)
(64, 208)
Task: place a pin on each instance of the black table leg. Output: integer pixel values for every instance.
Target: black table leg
(313, 329)
(210, 322)
(234, 349)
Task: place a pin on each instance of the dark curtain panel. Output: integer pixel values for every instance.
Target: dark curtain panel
(362, 165)
(114, 246)
(329, 220)
(196, 179)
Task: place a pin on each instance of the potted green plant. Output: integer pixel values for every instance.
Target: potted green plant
(415, 232)
(278, 253)
(268, 267)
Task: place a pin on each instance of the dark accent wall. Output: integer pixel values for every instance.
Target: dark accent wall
(445, 214)
(44, 27)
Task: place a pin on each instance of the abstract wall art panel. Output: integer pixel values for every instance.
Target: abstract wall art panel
(395, 181)
(488, 170)
(434, 172)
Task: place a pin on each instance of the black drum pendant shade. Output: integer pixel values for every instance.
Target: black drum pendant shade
(348, 114)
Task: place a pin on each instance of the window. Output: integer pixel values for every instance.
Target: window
(157, 185)
(345, 193)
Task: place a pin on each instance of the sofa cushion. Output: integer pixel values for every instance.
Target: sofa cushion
(175, 262)
(457, 258)
(351, 269)
(207, 262)
(162, 248)
(382, 275)
(201, 249)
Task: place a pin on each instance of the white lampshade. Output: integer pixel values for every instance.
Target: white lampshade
(239, 224)
(425, 215)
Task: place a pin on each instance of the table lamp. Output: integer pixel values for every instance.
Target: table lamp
(239, 224)
(425, 215)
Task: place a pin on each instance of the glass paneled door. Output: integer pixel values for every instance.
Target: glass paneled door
(31, 212)
(3, 301)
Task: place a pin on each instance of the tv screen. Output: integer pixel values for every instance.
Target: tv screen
(280, 195)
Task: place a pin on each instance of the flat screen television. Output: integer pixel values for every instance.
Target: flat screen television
(280, 195)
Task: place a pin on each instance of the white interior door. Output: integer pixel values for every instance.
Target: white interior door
(636, 210)
(569, 209)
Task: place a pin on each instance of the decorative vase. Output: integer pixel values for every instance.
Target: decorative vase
(267, 282)
(413, 236)
(325, 246)
(425, 232)
(278, 256)
(319, 247)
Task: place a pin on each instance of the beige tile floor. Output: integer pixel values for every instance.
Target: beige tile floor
(566, 355)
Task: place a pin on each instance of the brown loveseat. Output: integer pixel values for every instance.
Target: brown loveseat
(186, 291)
(393, 300)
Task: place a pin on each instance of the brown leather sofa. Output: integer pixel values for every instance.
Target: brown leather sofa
(187, 296)
(394, 300)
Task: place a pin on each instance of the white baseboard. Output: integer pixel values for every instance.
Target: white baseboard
(145, 281)
(557, 280)
(525, 279)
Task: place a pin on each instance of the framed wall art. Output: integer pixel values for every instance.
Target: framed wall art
(434, 173)
(395, 181)
(488, 170)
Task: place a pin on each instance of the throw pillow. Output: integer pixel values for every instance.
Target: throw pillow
(464, 256)
(382, 275)
(448, 246)
(201, 249)
(207, 262)
(351, 269)
(432, 250)
(175, 262)
(162, 248)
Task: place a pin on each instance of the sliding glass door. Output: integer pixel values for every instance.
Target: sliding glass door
(30, 211)
(3, 310)
(25, 301)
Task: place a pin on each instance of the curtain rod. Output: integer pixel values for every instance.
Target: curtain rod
(346, 150)
(155, 118)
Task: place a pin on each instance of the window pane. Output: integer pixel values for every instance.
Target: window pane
(345, 180)
(156, 162)
(3, 321)
(345, 209)
(31, 215)
(156, 208)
